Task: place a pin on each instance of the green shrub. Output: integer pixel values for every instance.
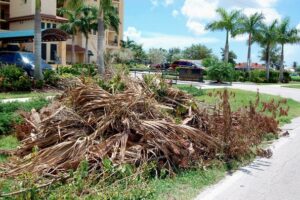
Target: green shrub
(259, 76)
(13, 78)
(51, 77)
(9, 115)
(287, 77)
(295, 78)
(220, 71)
(78, 70)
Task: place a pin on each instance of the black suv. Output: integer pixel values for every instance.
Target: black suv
(24, 60)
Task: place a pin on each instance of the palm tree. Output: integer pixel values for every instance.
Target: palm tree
(267, 37)
(71, 4)
(286, 35)
(72, 25)
(251, 25)
(229, 23)
(87, 23)
(38, 75)
(107, 17)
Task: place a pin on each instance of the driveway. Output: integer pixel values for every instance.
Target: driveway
(277, 178)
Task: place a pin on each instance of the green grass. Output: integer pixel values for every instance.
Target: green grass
(7, 143)
(15, 95)
(187, 184)
(191, 90)
(242, 99)
(9, 112)
(292, 86)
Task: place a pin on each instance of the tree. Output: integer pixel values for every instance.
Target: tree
(38, 74)
(220, 71)
(137, 49)
(174, 54)
(107, 17)
(197, 52)
(229, 23)
(286, 35)
(87, 23)
(295, 65)
(124, 55)
(251, 25)
(267, 37)
(157, 56)
(71, 4)
(274, 56)
(231, 57)
(72, 25)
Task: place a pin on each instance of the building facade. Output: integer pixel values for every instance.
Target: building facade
(18, 15)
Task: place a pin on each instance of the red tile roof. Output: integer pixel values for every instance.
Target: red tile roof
(253, 66)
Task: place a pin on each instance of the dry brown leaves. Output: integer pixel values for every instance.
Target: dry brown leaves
(134, 126)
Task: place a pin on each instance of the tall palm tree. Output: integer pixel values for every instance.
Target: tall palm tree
(107, 17)
(267, 37)
(286, 35)
(88, 23)
(251, 25)
(38, 75)
(71, 4)
(72, 25)
(229, 23)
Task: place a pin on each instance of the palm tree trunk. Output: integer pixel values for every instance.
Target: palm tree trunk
(73, 50)
(101, 46)
(226, 53)
(86, 53)
(249, 53)
(38, 75)
(268, 63)
(281, 78)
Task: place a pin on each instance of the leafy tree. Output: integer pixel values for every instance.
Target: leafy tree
(231, 57)
(251, 25)
(286, 35)
(220, 71)
(295, 65)
(228, 22)
(157, 56)
(197, 52)
(124, 55)
(38, 74)
(274, 56)
(140, 55)
(174, 54)
(72, 25)
(87, 23)
(268, 37)
(107, 17)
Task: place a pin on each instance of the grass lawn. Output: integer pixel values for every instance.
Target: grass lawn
(292, 86)
(14, 95)
(7, 143)
(242, 99)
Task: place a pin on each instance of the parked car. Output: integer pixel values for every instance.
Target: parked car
(187, 63)
(160, 66)
(24, 60)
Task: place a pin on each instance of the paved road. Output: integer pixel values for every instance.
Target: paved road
(277, 178)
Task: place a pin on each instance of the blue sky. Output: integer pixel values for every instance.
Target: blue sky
(180, 23)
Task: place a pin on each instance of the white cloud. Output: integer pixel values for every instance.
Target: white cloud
(156, 3)
(200, 12)
(241, 38)
(269, 13)
(298, 27)
(196, 27)
(175, 13)
(157, 40)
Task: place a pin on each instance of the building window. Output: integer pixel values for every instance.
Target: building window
(48, 25)
(53, 25)
(44, 51)
(53, 51)
(43, 25)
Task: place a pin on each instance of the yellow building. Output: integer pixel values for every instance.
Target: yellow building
(16, 15)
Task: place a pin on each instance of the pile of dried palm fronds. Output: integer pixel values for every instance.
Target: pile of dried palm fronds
(148, 122)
